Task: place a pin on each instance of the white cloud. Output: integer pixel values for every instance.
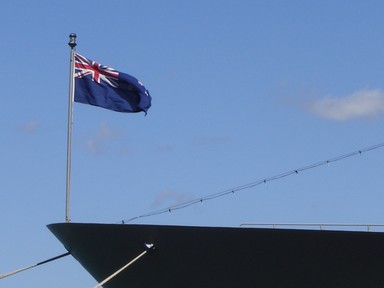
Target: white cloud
(96, 143)
(362, 104)
(169, 197)
(210, 140)
(30, 127)
(165, 148)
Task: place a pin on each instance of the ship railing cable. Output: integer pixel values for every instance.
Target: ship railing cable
(320, 226)
(255, 183)
(34, 265)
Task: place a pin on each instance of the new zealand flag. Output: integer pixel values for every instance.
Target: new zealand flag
(105, 87)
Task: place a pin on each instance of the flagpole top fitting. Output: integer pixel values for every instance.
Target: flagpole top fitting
(72, 40)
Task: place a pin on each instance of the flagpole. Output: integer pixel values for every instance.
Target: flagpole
(72, 44)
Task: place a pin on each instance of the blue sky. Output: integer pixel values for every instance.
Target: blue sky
(241, 91)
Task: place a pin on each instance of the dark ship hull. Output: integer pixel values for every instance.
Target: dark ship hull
(190, 257)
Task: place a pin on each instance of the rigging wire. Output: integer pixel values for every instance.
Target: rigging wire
(255, 183)
(34, 265)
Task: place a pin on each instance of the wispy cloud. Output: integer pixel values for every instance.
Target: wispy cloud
(361, 104)
(169, 198)
(96, 144)
(203, 141)
(30, 126)
(165, 148)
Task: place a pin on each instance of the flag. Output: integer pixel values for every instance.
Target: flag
(105, 87)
